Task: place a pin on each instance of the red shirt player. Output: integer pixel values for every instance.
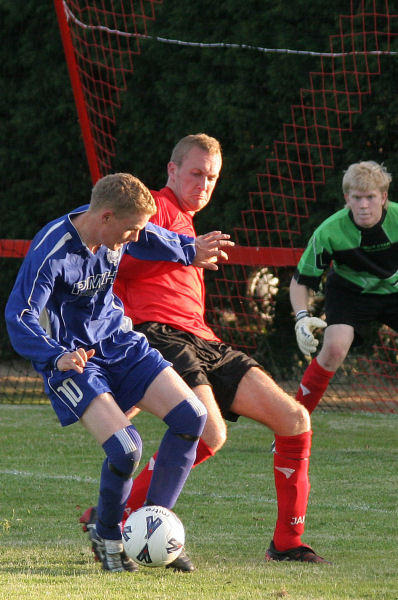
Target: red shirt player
(167, 303)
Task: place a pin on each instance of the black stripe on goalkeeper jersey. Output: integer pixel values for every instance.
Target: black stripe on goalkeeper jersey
(376, 255)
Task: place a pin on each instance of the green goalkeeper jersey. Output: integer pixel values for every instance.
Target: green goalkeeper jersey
(365, 260)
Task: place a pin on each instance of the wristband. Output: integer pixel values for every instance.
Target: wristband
(301, 314)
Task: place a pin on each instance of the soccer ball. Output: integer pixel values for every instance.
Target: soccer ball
(153, 536)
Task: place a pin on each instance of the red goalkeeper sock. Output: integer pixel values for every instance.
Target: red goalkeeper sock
(291, 461)
(141, 482)
(313, 385)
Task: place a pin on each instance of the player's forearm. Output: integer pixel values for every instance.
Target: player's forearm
(299, 296)
(158, 244)
(30, 340)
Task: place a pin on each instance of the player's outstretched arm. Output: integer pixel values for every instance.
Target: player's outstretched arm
(157, 243)
(210, 248)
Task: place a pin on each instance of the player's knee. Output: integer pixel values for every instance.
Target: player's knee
(300, 420)
(220, 440)
(215, 435)
(332, 356)
(124, 449)
(303, 418)
(187, 419)
(293, 421)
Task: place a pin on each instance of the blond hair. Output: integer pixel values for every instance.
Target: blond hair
(366, 175)
(198, 140)
(123, 194)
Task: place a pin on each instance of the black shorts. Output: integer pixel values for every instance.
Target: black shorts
(344, 306)
(200, 362)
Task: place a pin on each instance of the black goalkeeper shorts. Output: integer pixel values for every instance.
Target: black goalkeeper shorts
(344, 306)
(200, 362)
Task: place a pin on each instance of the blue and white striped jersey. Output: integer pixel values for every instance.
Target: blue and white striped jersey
(61, 278)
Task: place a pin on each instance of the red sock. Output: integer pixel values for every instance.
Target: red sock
(313, 385)
(203, 452)
(291, 461)
(141, 482)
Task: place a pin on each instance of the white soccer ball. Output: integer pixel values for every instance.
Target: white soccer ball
(153, 536)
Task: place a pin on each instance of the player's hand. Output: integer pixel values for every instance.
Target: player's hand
(75, 360)
(209, 249)
(305, 338)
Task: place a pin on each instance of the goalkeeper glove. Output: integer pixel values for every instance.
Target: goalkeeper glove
(304, 327)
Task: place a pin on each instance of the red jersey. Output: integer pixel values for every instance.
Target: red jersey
(165, 292)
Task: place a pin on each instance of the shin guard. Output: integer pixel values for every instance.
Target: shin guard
(141, 483)
(291, 461)
(313, 385)
(177, 452)
(123, 450)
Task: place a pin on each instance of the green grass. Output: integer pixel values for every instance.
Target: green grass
(48, 475)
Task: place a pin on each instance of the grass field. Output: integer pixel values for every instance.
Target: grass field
(49, 475)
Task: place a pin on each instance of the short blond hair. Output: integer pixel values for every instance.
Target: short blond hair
(366, 175)
(198, 140)
(123, 194)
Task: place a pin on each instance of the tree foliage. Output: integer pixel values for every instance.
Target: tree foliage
(241, 96)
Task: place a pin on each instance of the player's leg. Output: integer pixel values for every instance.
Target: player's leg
(336, 344)
(87, 397)
(188, 355)
(142, 482)
(214, 434)
(212, 439)
(122, 445)
(185, 417)
(169, 398)
(260, 398)
(346, 314)
(191, 357)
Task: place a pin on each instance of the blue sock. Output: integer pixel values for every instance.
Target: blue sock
(177, 452)
(114, 491)
(123, 451)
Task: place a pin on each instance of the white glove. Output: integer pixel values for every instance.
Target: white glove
(304, 328)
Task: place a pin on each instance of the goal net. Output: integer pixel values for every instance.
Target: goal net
(247, 302)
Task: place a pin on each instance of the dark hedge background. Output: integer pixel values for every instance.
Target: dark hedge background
(242, 97)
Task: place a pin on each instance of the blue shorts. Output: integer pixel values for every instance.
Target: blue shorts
(124, 365)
